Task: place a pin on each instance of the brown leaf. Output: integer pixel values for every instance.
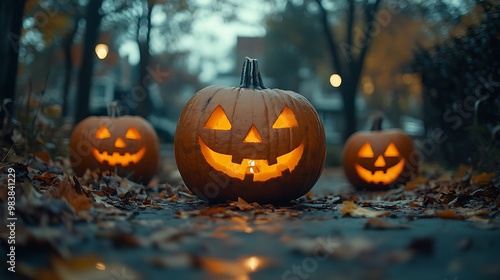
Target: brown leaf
(449, 214)
(242, 204)
(374, 223)
(212, 211)
(414, 204)
(46, 178)
(483, 178)
(65, 189)
(351, 209)
(43, 157)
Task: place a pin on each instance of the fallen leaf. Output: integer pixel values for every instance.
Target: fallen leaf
(414, 204)
(43, 157)
(374, 223)
(243, 205)
(351, 209)
(449, 214)
(483, 178)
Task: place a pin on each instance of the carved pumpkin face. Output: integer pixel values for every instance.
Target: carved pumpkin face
(254, 159)
(379, 159)
(263, 145)
(126, 145)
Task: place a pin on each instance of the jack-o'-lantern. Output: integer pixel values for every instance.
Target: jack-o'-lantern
(379, 159)
(263, 145)
(126, 145)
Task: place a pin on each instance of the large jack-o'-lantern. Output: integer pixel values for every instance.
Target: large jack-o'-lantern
(126, 145)
(264, 145)
(379, 159)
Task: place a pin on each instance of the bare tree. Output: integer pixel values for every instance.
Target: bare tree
(348, 55)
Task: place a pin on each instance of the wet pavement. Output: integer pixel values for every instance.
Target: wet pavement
(298, 241)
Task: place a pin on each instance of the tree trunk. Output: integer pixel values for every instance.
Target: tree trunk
(348, 92)
(92, 23)
(11, 17)
(68, 66)
(141, 90)
(349, 66)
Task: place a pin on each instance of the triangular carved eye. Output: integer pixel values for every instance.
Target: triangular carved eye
(391, 151)
(366, 151)
(286, 119)
(133, 134)
(253, 136)
(218, 120)
(102, 133)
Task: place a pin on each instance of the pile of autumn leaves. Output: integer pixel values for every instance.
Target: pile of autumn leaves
(46, 192)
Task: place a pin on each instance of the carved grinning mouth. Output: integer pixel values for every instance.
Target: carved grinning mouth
(258, 169)
(385, 177)
(116, 158)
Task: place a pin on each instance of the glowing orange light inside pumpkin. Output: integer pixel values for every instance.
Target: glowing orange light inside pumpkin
(259, 168)
(366, 151)
(253, 136)
(380, 176)
(380, 162)
(102, 133)
(118, 158)
(218, 120)
(391, 151)
(286, 119)
(132, 133)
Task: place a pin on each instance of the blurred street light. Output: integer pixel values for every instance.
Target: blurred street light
(101, 50)
(368, 86)
(335, 80)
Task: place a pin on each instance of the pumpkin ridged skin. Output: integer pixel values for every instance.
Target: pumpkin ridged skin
(379, 141)
(83, 139)
(247, 106)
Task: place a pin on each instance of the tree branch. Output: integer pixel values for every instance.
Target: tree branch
(350, 31)
(330, 39)
(370, 17)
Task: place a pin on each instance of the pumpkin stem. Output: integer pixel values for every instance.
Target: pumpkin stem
(113, 109)
(250, 75)
(377, 123)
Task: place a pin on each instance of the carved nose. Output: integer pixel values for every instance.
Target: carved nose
(380, 162)
(253, 136)
(119, 143)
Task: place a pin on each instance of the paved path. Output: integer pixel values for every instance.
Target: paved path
(303, 240)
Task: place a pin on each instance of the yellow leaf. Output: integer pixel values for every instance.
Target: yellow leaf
(483, 178)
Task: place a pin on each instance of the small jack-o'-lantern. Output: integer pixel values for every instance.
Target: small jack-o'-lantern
(379, 159)
(126, 145)
(264, 145)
